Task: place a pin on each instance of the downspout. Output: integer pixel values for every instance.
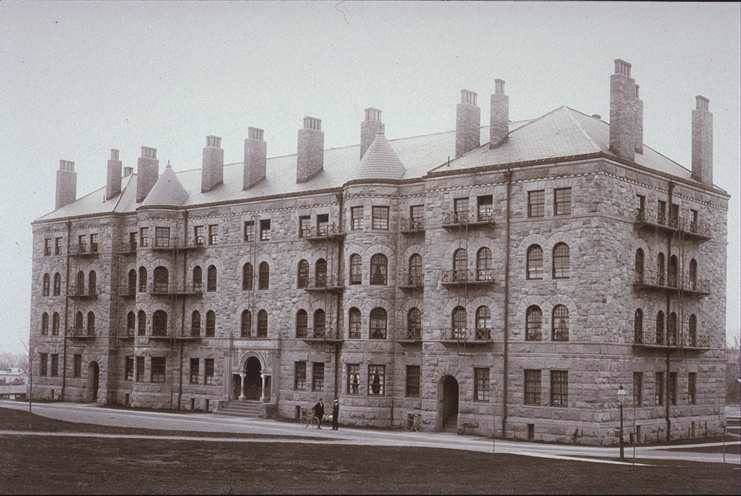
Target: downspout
(340, 256)
(505, 395)
(66, 311)
(182, 312)
(668, 311)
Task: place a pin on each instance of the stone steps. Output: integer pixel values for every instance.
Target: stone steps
(237, 408)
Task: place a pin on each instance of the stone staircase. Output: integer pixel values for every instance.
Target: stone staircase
(242, 408)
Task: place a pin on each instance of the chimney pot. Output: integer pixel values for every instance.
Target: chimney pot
(114, 154)
(369, 128)
(255, 157)
(312, 123)
(213, 141)
(255, 133)
(622, 67)
(702, 103)
(127, 171)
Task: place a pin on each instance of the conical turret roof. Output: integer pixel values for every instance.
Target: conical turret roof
(167, 191)
(381, 161)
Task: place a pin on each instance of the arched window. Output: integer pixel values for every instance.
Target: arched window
(320, 273)
(692, 331)
(483, 322)
(197, 278)
(141, 318)
(638, 327)
(660, 269)
(142, 279)
(671, 329)
(263, 279)
(379, 270)
(354, 323)
(130, 323)
(195, 323)
(693, 274)
(660, 327)
(79, 324)
(91, 324)
(560, 323)
(248, 274)
(535, 262)
(302, 323)
(44, 323)
(561, 263)
(211, 278)
(484, 265)
(320, 323)
(159, 323)
(132, 282)
(534, 324)
(303, 274)
(80, 286)
(414, 323)
(55, 323)
(45, 285)
(356, 269)
(57, 284)
(92, 283)
(459, 322)
(245, 325)
(262, 324)
(416, 276)
(638, 265)
(210, 323)
(460, 265)
(673, 271)
(378, 323)
(161, 280)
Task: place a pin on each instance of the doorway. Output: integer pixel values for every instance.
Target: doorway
(252, 379)
(93, 377)
(448, 403)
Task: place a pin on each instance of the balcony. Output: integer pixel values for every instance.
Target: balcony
(484, 217)
(129, 248)
(411, 226)
(160, 335)
(411, 281)
(410, 336)
(127, 334)
(85, 250)
(328, 284)
(452, 278)
(164, 290)
(323, 232)
(652, 281)
(168, 245)
(648, 339)
(480, 336)
(187, 338)
(81, 334)
(127, 292)
(322, 335)
(81, 294)
(683, 227)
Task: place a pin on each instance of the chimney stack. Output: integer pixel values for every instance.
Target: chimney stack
(113, 179)
(371, 126)
(623, 110)
(147, 172)
(255, 156)
(66, 184)
(499, 127)
(638, 110)
(467, 124)
(310, 156)
(127, 171)
(702, 141)
(212, 170)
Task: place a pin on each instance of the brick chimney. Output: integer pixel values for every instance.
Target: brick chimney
(467, 123)
(147, 172)
(113, 178)
(702, 141)
(212, 169)
(255, 156)
(623, 122)
(638, 114)
(310, 156)
(66, 184)
(499, 124)
(371, 126)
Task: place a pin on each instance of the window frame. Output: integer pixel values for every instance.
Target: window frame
(562, 206)
(158, 369)
(481, 384)
(536, 204)
(356, 218)
(412, 383)
(559, 388)
(378, 389)
(533, 387)
(380, 217)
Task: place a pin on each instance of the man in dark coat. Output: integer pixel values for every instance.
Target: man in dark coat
(336, 415)
(319, 413)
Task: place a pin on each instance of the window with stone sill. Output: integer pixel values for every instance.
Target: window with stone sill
(144, 237)
(481, 384)
(659, 389)
(320, 323)
(484, 264)
(376, 380)
(249, 230)
(198, 239)
(213, 234)
(299, 376)
(638, 326)
(45, 284)
(57, 288)
(379, 270)
(322, 224)
(320, 273)
(211, 278)
(353, 379)
(532, 386)
(535, 262)
(380, 218)
(43, 358)
(54, 365)
(195, 323)
(414, 323)
(692, 388)
(159, 323)
(247, 276)
(194, 370)
(304, 225)
(262, 324)
(263, 276)
(55, 324)
(142, 279)
(356, 269)
(57, 246)
(245, 325)
(560, 322)
(47, 247)
(536, 203)
(412, 382)
(561, 262)
(141, 323)
(94, 242)
(673, 388)
(210, 323)
(159, 365)
(317, 376)
(562, 201)
(129, 369)
(354, 323)
(637, 389)
(140, 369)
(356, 218)
(302, 323)
(534, 324)
(197, 278)
(378, 323)
(265, 233)
(161, 237)
(208, 371)
(44, 324)
(560, 388)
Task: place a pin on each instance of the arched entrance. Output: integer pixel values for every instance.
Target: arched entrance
(93, 380)
(447, 411)
(252, 379)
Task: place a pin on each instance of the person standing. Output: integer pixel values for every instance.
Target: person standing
(336, 415)
(319, 413)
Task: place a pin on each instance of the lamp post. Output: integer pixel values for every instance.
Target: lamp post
(621, 398)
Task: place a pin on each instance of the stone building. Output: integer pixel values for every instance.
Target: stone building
(508, 277)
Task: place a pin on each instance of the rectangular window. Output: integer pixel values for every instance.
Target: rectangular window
(81, 243)
(532, 387)
(299, 376)
(194, 370)
(659, 389)
(376, 380)
(417, 215)
(94, 242)
(559, 388)
(77, 366)
(562, 201)
(162, 237)
(380, 218)
(692, 388)
(139, 369)
(57, 246)
(353, 379)
(208, 371)
(485, 208)
(54, 364)
(412, 389)
(249, 230)
(460, 210)
(673, 387)
(198, 239)
(356, 218)
(322, 224)
(304, 225)
(43, 364)
(129, 369)
(317, 376)
(661, 214)
(536, 203)
(47, 247)
(132, 241)
(213, 234)
(144, 237)
(158, 369)
(641, 206)
(265, 230)
(674, 215)
(637, 388)
(481, 384)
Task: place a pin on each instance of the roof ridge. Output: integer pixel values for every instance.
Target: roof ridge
(581, 128)
(123, 190)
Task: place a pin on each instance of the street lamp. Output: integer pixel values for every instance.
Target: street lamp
(621, 398)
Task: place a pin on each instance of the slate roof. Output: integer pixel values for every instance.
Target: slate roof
(167, 191)
(559, 133)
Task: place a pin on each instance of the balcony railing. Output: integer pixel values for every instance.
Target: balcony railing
(81, 333)
(684, 226)
(322, 232)
(671, 339)
(80, 293)
(328, 283)
(480, 335)
(129, 248)
(166, 244)
(411, 226)
(657, 281)
(410, 335)
(481, 277)
(161, 289)
(412, 280)
(322, 335)
(127, 333)
(481, 217)
(85, 250)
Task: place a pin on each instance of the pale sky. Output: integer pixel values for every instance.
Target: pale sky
(77, 79)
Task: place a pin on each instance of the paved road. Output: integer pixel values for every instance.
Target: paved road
(92, 414)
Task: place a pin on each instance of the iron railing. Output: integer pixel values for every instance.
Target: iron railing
(461, 334)
(479, 276)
